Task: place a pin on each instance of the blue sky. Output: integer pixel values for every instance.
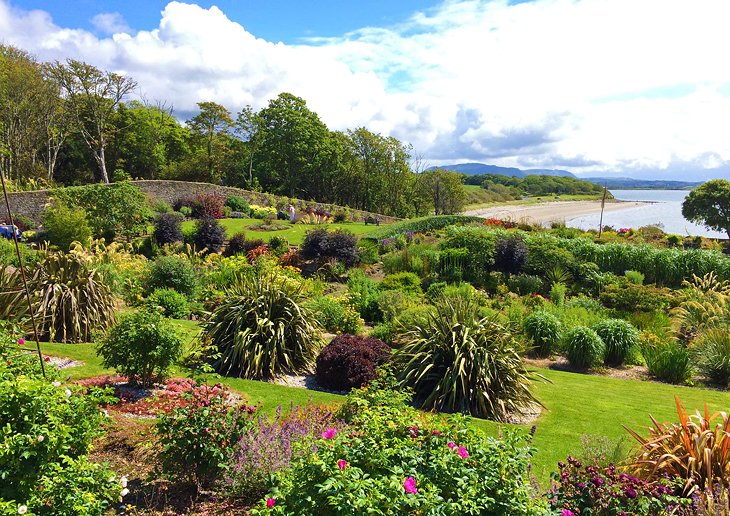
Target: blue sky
(620, 87)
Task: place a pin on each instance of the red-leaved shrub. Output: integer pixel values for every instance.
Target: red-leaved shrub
(349, 361)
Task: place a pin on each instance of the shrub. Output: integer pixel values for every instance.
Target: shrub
(173, 272)
(557, 294)
(620, 337)
(453, 263)
(667, 361)
(595, 489)
(320, 244)
(584, 348)
(406, 461)
(634, 277)
(457, 362)
(696, 450)
(336, 315)
(525, 285)
(208, 206)
(173, 303)
(238, 203)
(64, 225)
(712, 353)
(391, 303)
(364, 294)
(236, 244)
(510, 254)
(349, 361)
(630, 297)
(196, 439)
(209, 234)
(543, 329)
(406, 282)
(279, 245)
(168, 229)
(262, 329)
(479, 244)
(47, 434)
(422, 225)
(142, 346)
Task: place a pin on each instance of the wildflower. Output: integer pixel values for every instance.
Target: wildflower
(567, 512)
(124, 492)
(41, 438)
(342, 464)
(123, 481)
(270, 502)
(410, 485)
(462, 452)
(20, 343)
(630, 492)
(436, 432)
(22, 509)
(56, 384)
(451, 445)
(329, 433)
(47, 359)
(597, 481)
(67, 393)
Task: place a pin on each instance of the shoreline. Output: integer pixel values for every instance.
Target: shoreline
(546, 212)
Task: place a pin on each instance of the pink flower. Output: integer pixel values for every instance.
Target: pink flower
(329, 433)
(270, 502)
(462, 452)
(342, 463)
(21, 342)
(410, 485)
(567, 512)
(47, 359)
(451, 445)
(436, 432)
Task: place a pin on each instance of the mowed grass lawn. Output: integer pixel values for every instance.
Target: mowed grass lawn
(575, 404)
(294, 233)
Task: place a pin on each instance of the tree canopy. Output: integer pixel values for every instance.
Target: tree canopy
(709, 204)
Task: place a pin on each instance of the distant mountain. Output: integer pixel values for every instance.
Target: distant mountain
(473, 169)
(629, 183)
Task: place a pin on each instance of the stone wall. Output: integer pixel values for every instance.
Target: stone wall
(32, 204)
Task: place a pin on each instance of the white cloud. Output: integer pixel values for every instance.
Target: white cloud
(585, 84)
(110, 23)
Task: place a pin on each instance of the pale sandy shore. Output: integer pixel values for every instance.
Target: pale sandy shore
(546, 212)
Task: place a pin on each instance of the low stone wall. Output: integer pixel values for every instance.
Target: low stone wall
(32, 204)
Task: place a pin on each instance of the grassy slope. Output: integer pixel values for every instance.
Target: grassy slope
(294, 233)
(575, 404)
(475, 198)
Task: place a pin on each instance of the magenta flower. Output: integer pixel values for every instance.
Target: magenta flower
(21, 342)
(462, 452)
(270, 502)
(410, 485)
(567, 512)
(329, 433)
(451, 445)
(342, 463)
(436, 432)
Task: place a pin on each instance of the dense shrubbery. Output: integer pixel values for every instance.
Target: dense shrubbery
(207, 206)
(173, 272)
(406, 282)
(237, 203)
(543, 330)
(584, 348)
(668, 361)
(510, 254)
(336, 315)
(168, 229)
(172, 303)
(63, 226)
(620, 337)
(209, 234)
(712, 351)
(320, 244)
(349, 361)
(142, 346)
(423, 225)
(479, 244)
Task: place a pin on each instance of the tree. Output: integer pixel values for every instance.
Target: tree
(709, 204)
(248, 128)
(92, 96)
(211, 126)
(445, 190)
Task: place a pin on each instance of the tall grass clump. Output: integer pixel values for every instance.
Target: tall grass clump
(620, 338)
(543, 330)
(712, 354)
(583, 347)
(667, 361)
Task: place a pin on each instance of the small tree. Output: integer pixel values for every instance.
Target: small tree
(709, 204)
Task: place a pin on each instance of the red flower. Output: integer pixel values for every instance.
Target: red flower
(270, 502)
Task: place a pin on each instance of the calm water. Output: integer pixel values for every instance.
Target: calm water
(665, 212)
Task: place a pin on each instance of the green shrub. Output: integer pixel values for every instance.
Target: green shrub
(452, 264)
(173, 272)
(336, 315)
(64, 225)
(524, 284)
(172, 303)
(238, 203)
(557, 293)
(142, 346)
(391, 303)
(479, 244)
(456, 362)
(406, 282)
(364, 294)
(584, 348)
(543, 329)
(279, 245)
(401, 461)
(620, 338)
(712, 355)
(435, 291)
(70, 298)
(8, 255)
(47, 431)
(419, 259)
(634, 277)
(667, 361)
(262, 329)
(423, 225)
(630, 297)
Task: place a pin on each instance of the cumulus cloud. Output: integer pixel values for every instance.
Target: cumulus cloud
(110, 23)
(589, 85)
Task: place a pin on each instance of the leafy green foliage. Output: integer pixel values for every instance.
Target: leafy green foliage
(712, 352)
(635, 277)
(172, 303)
(142, 346)
(238, 203)
(336, 315)
(262, 329)
(525, 284)
(479, 243)
(543, 329)
(406, 282)
(557, 293)
(423, 225)
(709, 204)
(620, 337)
(64, 225)
(364, 294)
(584, 348)
(173, 272)
(668, 361)
(632, 297)
(457, 362)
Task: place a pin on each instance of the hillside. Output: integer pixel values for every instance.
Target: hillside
(482, 168)
(629, 183)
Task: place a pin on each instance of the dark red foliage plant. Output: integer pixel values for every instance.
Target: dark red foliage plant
(349, 361)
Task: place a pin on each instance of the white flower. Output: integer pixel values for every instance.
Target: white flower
(67, 392)
(56, 383)
(105, 412)
(123, 481)
(124, 492)
(22, 509)
(41, 438)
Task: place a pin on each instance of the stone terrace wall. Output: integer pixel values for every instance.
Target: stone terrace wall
(32, 204)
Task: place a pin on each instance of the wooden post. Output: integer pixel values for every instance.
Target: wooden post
(603, 205)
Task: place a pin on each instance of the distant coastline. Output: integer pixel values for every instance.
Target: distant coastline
(549, 211)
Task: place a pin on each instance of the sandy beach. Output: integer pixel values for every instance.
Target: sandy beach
(546, 212)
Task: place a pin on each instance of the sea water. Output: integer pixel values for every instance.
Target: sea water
(665, 211)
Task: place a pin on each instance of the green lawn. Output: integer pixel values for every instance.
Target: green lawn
(294, 233)
(576, 404)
